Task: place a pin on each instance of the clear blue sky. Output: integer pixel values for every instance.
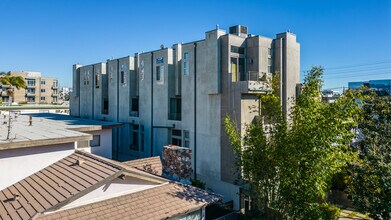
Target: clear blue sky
(49, 36)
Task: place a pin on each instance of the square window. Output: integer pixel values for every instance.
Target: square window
(95, 142)
(186, 55)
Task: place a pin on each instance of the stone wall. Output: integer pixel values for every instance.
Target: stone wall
(177, 163)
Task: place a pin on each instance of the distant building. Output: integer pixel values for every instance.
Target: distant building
(38, 89)
(330, 95)
(180, 95)
(49, 138)
(381, 87)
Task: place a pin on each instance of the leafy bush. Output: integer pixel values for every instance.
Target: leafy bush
(22, 103)
(198, 183)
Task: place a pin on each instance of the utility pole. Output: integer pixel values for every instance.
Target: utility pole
(9, 125)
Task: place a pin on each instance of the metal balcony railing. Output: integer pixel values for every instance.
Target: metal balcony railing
(259, 81)
(30, 94)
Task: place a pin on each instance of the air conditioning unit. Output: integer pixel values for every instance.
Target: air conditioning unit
(239, 30)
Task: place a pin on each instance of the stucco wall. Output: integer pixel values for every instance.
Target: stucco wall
(17, 164)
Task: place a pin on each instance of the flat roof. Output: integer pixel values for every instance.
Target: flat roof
(47, 129)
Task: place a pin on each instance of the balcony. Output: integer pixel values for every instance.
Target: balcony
(257, 82)
(30, 94)
(4, 94)
(30, 86)
(54, 94)
(54, 86)
(5, 86)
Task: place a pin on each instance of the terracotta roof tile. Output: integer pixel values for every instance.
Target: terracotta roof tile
(174, 199)
(54, 185)
(151, 165)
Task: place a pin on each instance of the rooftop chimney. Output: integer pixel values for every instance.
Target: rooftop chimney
(177, 163)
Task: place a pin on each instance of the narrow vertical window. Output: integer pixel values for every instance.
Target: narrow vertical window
(186, 138)
(186, 64)
(160, 74)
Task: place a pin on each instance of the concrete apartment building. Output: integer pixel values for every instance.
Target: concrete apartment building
(38, 89)
(180, 95)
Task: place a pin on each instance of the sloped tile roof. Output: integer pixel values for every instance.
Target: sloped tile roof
(80, 173)
(151, 165)
(162, 202)
(61, 183)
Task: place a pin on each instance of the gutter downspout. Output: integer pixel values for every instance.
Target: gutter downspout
(195, 111)
(118, 82)
(93, 87)
(152, 104)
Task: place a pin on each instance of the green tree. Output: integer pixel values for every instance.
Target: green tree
(12, 81)
(371, 175)
(289, 166)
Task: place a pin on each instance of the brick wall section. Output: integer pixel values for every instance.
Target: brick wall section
(177, 162)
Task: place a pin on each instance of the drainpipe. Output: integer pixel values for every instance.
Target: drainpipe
(93, 87)
(195, 111)
(151, 104)
(118, 82)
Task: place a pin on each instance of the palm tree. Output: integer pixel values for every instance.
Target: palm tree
(13, 81)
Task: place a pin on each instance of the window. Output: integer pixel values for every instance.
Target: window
(160, 73)
(175, 109)
(95, 142)
(269, 65)
(43, 98)
(43, 90)
(186, 55)
(105, 109)
(235, 49)
(186, 137)
(43, 82)
(134, 107)
(186, 64)
(234, 69)
(134, 135)
(30, 82)
(97, 80)
(123, 74)
(176, 137)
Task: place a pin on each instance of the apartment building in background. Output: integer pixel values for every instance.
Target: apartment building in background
(380, 86)
(180, 95)
(38, 89)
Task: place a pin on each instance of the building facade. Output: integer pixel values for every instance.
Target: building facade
(380, 86)
(38, 89)
(180, 95)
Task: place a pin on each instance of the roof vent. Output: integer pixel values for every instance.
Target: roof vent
(14, 198)
(79, 161)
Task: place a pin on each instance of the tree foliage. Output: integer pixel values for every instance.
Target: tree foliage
(289, 166)
(371, 174)
(13, 81)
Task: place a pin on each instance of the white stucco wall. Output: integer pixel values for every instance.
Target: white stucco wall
(105, 148)
(17, 164)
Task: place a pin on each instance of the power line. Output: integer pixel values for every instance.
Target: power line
(356, 75)
(356, 65)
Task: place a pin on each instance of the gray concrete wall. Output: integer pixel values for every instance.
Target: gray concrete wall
(207, 95)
